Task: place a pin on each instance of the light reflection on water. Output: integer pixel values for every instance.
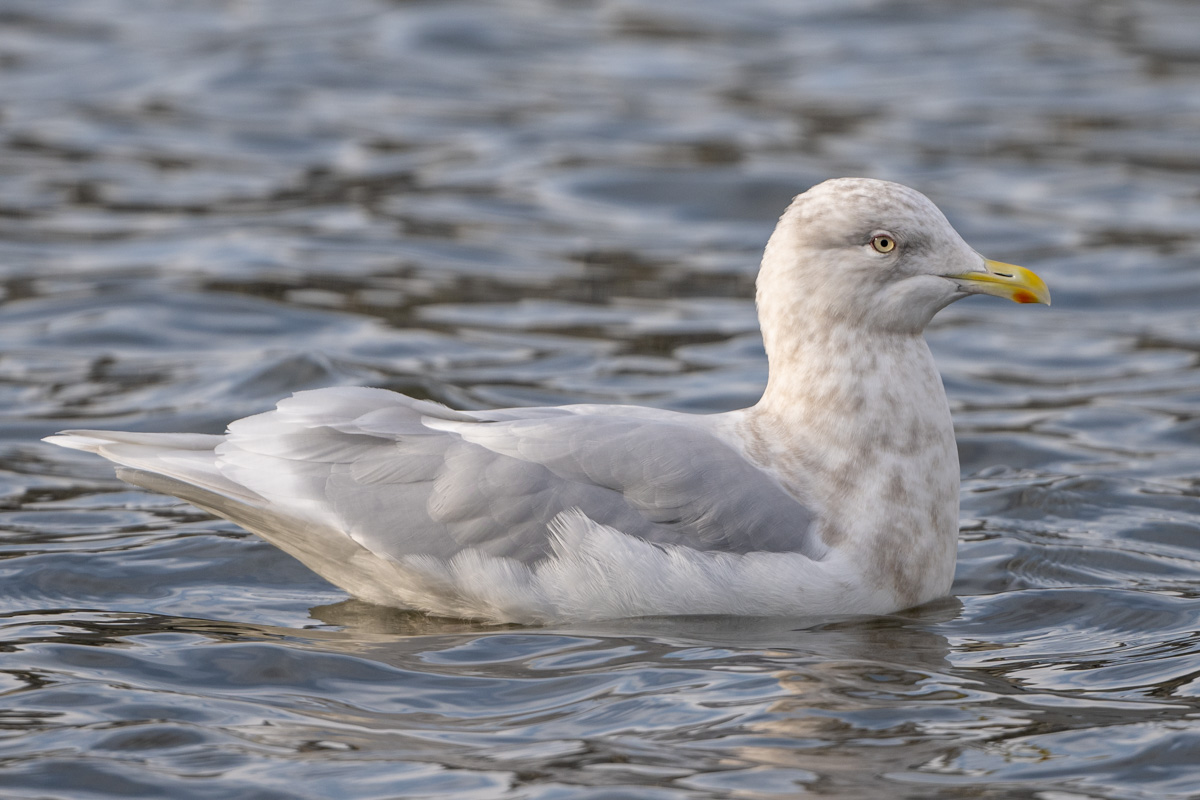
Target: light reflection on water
(204, 208)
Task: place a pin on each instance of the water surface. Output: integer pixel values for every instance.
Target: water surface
(206, 206)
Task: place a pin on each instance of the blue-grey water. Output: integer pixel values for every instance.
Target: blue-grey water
(207, 205)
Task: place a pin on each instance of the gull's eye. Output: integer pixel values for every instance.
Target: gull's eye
(883, 243)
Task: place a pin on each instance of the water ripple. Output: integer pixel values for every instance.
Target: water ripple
(207, 206)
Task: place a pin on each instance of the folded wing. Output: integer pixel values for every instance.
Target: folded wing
(399, 477)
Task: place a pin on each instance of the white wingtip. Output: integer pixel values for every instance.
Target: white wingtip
(76, 441)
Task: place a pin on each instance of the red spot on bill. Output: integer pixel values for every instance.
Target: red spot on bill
(1024, 297)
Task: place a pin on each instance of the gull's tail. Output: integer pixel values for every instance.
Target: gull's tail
(185, 465)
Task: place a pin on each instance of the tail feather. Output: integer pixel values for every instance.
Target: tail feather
(92, 441)
(185, 465)
(187, 458)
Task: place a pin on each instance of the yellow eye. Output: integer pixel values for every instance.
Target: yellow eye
(883, 244)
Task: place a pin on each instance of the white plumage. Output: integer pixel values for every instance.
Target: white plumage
(836, 493)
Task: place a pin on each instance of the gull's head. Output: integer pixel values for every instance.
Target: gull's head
(878, 255)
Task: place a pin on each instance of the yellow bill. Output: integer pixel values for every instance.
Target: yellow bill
(1004, 280)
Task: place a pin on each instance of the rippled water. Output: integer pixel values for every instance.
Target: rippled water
(207, 205)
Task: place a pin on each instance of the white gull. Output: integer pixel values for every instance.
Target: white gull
(837, 493)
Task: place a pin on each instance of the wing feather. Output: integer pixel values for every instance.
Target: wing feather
(410, 478)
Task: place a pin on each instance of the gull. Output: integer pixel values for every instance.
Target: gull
(837, 493)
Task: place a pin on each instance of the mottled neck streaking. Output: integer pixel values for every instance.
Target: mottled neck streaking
(854, 422)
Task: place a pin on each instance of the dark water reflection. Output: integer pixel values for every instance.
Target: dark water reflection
(206, 206)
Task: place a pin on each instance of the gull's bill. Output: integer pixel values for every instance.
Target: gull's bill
(1004, 280)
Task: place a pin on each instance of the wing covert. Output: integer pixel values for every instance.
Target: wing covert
(407, 477)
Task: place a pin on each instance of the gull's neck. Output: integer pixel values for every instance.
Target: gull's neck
(847, 382)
